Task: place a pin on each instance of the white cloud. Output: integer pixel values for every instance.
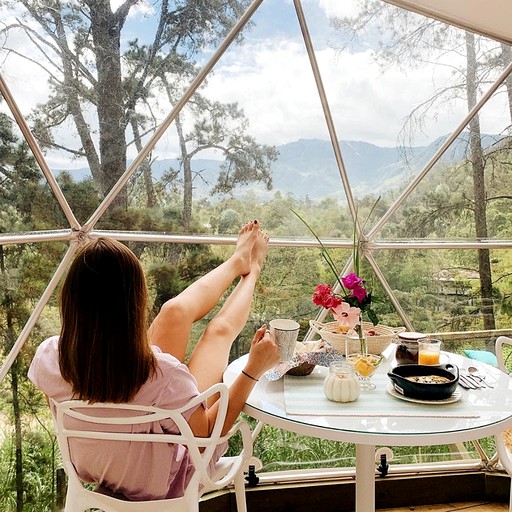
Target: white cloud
(338, 8)
(141, 8)
(273, 82)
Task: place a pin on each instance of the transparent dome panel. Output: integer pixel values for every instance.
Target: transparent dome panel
(280, 450)
(103, 87)
(409, 82)
(271, 79)
(445, 291)
(28, 199)
(460, 197)
(218, 162)
(284, 288)
(26, 272)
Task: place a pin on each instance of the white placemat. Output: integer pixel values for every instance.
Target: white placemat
(305, 396)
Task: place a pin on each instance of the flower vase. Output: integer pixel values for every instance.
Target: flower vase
(362, 338)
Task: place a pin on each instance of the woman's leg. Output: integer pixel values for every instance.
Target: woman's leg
(210, 356)
(171, 328)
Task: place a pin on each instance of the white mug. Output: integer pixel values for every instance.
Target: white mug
(284, 332)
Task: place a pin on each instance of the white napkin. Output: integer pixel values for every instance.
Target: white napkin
(317, 352)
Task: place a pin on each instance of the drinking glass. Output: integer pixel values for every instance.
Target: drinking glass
(429, 351)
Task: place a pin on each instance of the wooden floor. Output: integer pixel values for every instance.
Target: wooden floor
(453, 507)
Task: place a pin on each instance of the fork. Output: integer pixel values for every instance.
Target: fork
(472, 381)
(468, 383)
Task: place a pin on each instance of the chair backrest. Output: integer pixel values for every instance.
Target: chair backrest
(502, 361)
(201, 450)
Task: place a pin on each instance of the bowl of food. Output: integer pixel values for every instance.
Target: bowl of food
(425, 382)
(365, 365)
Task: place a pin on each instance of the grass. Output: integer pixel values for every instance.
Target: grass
(282, 450)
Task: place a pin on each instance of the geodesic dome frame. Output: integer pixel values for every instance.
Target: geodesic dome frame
(489, 20)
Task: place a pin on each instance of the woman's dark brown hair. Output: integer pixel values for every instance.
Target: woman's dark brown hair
(104, 351)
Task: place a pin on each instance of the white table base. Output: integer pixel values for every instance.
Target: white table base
(365, 477)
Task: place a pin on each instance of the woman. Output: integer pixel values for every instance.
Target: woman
(106, 354)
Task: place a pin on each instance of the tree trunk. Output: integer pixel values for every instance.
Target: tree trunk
(477, 163)
(186, 217)
(71, 82)
(10, 335)
(506, 57)
(106, 31)
(17, 437)
(145, 167)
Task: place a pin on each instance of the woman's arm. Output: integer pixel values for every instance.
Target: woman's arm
(263, 355)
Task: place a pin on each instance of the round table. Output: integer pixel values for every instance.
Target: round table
(479, 413)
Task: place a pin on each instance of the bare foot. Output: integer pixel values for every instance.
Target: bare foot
(246, 239)
(259, 251)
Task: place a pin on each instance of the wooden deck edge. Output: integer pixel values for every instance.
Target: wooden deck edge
(391, 492)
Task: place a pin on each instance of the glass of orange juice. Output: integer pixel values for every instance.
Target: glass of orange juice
(429, 351)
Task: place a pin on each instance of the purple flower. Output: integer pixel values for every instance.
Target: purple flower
(359, 292)
(352, 281)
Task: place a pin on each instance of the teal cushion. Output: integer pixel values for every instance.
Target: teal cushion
(483, 356)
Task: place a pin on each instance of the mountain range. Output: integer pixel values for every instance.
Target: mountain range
(307, 167)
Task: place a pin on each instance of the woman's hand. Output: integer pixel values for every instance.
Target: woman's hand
(263, 353)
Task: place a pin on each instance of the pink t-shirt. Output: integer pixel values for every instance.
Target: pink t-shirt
(140, 471)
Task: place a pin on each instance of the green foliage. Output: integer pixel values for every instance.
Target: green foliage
(39, 464)
(229, 221)
(169, 278)
(82, 196)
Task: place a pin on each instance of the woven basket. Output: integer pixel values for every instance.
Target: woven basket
(376, 344)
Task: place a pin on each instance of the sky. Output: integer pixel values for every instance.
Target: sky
(270, 77)
(271, 74)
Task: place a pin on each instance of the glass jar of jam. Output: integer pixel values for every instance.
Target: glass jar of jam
(407, 347)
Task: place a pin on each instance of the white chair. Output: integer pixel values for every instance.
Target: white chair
(500, 341)
(504, 452)
(227, 470)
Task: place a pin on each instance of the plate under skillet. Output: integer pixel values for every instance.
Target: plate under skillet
(455, 397)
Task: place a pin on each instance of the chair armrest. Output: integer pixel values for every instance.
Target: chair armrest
(247, 442)
(238, 461)
(500, 341)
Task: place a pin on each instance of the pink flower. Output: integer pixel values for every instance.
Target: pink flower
(346, 315)
(325, 297)
(352, 281)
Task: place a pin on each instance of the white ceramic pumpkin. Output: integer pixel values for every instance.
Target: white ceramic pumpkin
(341, 384)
